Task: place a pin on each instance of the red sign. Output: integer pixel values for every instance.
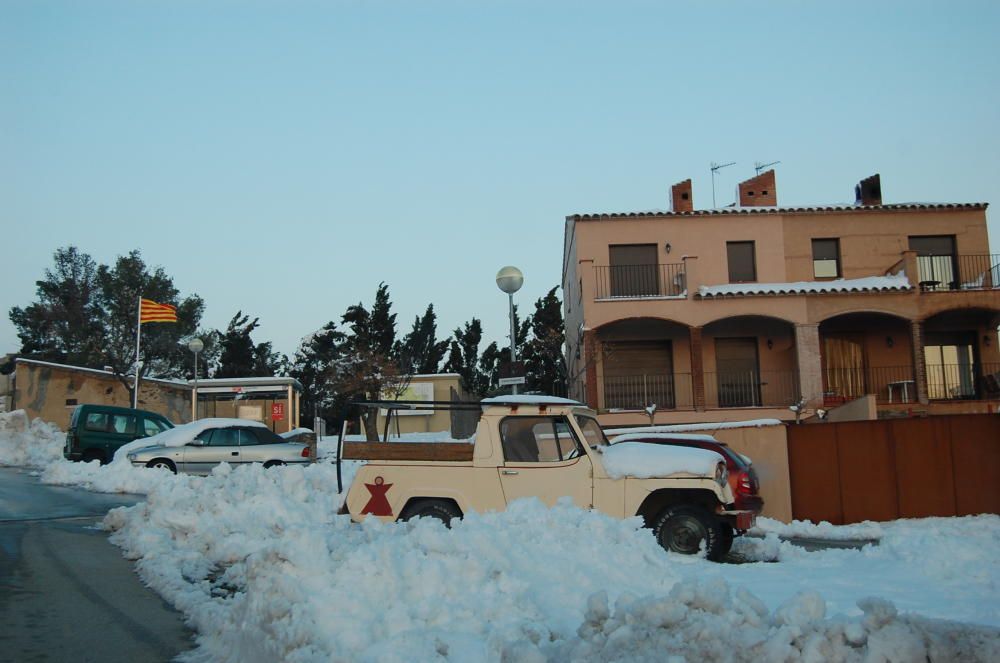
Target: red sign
(378, 505)
(277, 411)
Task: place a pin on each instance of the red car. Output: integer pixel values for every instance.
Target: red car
(742, 477)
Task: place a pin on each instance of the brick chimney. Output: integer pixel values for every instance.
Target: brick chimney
(759, 191)
(680, 197)
(868, 191)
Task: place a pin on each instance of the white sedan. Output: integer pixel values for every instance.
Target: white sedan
(199, 446)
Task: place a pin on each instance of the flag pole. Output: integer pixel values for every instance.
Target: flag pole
(138, 336)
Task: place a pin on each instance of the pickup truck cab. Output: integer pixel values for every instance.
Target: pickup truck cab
(549, 448)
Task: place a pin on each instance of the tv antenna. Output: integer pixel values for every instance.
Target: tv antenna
(715, 168)
(758, 166)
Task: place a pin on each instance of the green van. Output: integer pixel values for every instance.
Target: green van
(96, 431)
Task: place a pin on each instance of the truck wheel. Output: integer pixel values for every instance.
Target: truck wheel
(682, 529)
(440, 509)
(726, 543)
(162, 463)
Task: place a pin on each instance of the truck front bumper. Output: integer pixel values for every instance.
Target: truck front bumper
(740, 520)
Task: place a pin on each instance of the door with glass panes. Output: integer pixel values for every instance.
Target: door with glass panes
(544, 459)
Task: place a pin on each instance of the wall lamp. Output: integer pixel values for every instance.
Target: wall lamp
(770, 344)
(667, 247)
(986, 340)
(889, 342)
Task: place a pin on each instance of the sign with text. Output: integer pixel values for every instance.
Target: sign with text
(277, 411)
(415, 391)
(509, 381)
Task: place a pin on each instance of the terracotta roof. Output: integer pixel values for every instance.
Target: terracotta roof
(810, 209)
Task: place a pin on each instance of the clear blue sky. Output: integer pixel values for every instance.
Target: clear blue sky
(284, 157)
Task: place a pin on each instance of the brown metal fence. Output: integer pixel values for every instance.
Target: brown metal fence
(901, 468)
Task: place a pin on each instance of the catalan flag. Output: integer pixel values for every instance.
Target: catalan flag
(150, 311)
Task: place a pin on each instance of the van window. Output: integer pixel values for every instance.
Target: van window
(152, 427)
(96, 421)
(123, 423)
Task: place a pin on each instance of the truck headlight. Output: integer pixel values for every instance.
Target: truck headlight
(721, 474)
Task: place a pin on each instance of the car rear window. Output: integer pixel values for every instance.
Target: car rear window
(264, 436)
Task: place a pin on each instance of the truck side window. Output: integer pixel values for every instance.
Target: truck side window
(96, 421)
(123, 423)
(537, 440)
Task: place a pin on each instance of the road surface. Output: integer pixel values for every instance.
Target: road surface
(66, 593)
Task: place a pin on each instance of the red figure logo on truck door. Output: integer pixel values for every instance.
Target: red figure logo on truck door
(378, 505)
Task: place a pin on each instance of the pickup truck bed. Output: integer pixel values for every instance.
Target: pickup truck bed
(428, 451)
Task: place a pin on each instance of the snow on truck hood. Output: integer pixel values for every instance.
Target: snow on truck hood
(181, 435)
(641, 460)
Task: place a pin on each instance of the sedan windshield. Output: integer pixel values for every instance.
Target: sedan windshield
(592, 433)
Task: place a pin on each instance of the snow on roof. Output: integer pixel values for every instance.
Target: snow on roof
(677, 428)
(638, 437)
(893, 283)
(808, 209)
(240, 382)
(646, 461)
(83, 369)
(529, 399)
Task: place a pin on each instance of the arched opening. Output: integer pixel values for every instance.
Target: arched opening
(750, 361)
(867, 353)
(644, 362)
(961, 356)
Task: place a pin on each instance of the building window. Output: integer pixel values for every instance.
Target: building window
(742, 266)
(826, 258)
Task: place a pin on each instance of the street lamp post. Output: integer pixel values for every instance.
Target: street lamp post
(509, 280)
(195, 345)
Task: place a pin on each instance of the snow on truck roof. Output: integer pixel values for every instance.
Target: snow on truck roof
(529, 399)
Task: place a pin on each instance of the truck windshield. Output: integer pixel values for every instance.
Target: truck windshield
(592, 433)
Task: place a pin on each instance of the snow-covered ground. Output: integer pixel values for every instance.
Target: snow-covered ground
(265, 570)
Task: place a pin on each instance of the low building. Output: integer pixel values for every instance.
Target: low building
(746, 311)
(441, 387)
(273, 401)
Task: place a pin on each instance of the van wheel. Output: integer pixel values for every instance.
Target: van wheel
(683, 529)
(94, 454)
(162, 464)
(272, 463)
(443, 510)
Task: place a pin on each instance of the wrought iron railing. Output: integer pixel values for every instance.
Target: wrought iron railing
(980, 381)
(889, 384)
(629, 281)
(959, 272)
(637, 392)
(751, 388)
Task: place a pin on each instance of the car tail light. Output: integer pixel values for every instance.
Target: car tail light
(305, 452)
(744, 485)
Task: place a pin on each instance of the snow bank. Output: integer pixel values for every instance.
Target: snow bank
(644, 461)
(25, 443)
(180, 435)
(867, 530)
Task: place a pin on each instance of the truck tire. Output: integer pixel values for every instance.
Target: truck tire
(443, 510)
(727, 539)
(682, 529)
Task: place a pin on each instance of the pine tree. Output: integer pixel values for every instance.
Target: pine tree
(313, 366)
(463, 357)
(241, 357)
(420, 352)
(544, 358)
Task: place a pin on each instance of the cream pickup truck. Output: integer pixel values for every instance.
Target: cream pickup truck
(549, 448)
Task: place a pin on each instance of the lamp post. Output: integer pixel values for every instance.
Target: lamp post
(195, 345)
(509, 280)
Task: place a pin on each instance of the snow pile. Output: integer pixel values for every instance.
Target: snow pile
(117, 477)
(295, 432)
(867, 530)
(644, 461)
(25, 443)
(705, 621)
(180, 435)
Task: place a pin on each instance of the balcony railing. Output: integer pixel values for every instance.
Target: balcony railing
(961, 272)
(963, 381)
(751, 388)
(889, 384)
(631, 281)
(636, 392)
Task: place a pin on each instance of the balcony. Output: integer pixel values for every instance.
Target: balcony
(952, 382)
(728, 388)
(640, 281)
(938, 273)
(889, 384)
(637, 392)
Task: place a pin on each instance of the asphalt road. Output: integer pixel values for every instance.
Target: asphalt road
(66, 593)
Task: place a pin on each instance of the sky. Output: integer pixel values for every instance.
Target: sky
(284, 158)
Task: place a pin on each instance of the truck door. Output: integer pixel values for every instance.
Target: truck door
(543, 459)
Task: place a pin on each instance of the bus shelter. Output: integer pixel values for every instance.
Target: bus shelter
(272, 401)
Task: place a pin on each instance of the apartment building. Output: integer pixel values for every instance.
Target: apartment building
(757, 310)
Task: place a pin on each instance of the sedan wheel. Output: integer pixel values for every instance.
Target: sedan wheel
(163, 464)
